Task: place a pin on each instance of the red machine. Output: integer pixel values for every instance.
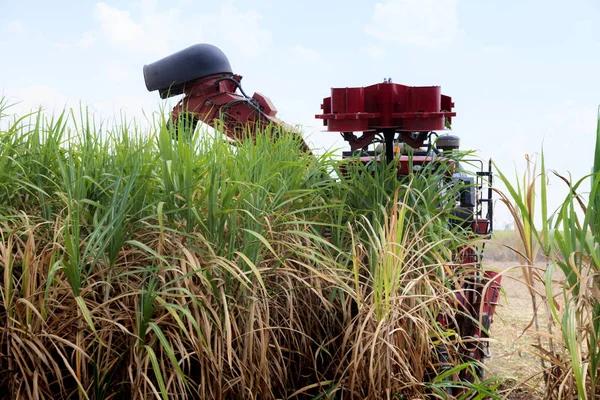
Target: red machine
(203, 73)
(387, 109)
(387, 113)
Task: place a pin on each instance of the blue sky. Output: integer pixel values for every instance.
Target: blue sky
(520, 72)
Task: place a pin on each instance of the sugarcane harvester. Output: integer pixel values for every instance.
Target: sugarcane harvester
(388, 114)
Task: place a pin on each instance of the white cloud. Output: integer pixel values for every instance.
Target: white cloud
(117, 24)
(31, 98)
(312, 61)
(584, 26)
(163, 31)
(25, 100)
(131, 106)
(151, 31)
(116, 71)
(15, 27)
(494, 50)
(86, 41)
(570, 125)
(305, 53)
(121, 30)
(63, 45)
(243, 30)
(429, 23)
(376, 53)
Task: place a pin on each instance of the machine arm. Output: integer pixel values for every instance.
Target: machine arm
(213, 94)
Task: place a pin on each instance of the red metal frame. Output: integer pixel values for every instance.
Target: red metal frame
(386, 107)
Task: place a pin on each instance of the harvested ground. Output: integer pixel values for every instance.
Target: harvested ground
(514, 334)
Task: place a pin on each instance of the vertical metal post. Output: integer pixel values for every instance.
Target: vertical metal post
(490, 204)
(388, 136)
